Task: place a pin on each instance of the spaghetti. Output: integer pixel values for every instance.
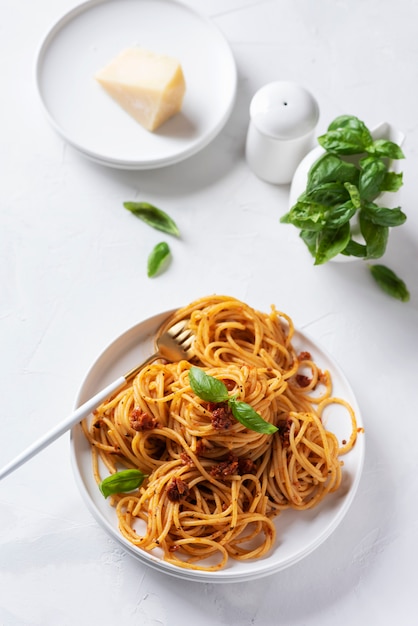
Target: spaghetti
(213, 486)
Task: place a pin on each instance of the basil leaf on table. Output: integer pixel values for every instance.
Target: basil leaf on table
(157, 258)
(390, 282)
(121, 482)
(249, 418)
(153, 217)
(207, 387)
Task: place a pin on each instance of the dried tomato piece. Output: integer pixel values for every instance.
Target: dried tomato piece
(232, 465)
(177, 489)
(302, 380)
(222, 417)
(140, 420)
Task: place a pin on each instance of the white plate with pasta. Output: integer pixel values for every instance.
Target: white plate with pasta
(238, 481)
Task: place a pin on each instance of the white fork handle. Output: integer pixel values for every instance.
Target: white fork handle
(80, 413)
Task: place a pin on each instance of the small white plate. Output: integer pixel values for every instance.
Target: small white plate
(298, 532)
(89, 36)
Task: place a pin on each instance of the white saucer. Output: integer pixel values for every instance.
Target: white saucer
(89, 36)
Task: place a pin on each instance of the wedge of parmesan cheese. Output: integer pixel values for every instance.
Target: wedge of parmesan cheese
(150, 87)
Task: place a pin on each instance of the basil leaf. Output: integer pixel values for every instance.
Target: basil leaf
(383, 216)
(385, 148)
(339, 215)
(207, 387)
(390, 282)
(346, 140)
(245, 414)
(326, 194)
(309, 237)
(330, 168)
(353, 248)
(348, 121)
(306, 215)
(392, 181)
(157, 258)
(211, 389)
(372, 175)
(331, 242)
(153, 217)
(354, 194)
(121, 482)
(375, 236)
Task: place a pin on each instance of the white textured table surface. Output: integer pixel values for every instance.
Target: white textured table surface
(73, 277)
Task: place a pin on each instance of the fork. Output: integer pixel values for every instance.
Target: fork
(175, 344)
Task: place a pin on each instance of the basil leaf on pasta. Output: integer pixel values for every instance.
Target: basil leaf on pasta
(207, 387)
(120, 482)
(213, 390)
(153, 216)
(245, 414)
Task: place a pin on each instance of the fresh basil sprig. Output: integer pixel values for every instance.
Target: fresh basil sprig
(121, 482)
(345, 183)
(157, 258)
(153, 217)
(211, 389)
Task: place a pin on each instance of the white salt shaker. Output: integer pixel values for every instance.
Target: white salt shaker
(283, 117)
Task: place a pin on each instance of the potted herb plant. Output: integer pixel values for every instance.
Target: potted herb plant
(340, 211)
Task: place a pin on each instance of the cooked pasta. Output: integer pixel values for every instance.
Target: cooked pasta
(213, 486)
